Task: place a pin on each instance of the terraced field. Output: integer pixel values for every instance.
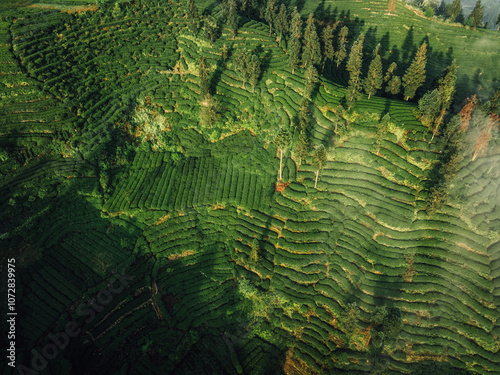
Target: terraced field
(221, 271)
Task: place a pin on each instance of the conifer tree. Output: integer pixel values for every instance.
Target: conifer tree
(373, 81)
(455, 10)
(311, 80)
(281, 23)
(329, 51)
(294, 45)
(477, 15)
(203, 74)
(446, 89)
(304, 117)
(390, 72)
(311, 51)
(394, 85)
(341, 52)
(232, 21)
(296, 24)
(192, 15)
(319, 160)
(294, 53)
(354, 68)
(415, 75)
(301, 149)
(254, 71)
(393, 81)
(270, 14)
(282, 141)
(209, 110)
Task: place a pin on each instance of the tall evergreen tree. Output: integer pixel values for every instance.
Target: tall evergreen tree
(477, 15)
(294, 45)
(455, 10)
(301, 149)
(232, 21)
(373, 82)
(192, 15)
(270, 14)
(282, 141)
(281, 23)
(209, 110)
(254, 71)
(319, 160)
(329, 51)
(392, 80)
(446, 89)
(311, 80)
(415, 75)
(203, 75)
(294, 53)
(311, 51)
(296, 24)
(304, 117)
(354, 68)
(341, 52)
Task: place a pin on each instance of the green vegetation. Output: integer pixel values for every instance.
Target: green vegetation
(316, 223)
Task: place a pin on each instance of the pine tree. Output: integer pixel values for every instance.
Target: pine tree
(477, 15)
(192, 15)
(232, 21)
(294, 53)
(415, 75)
(294, 45)
(281, 23)
(311, 51)
(455, 10)
(241, 63)
(394, 85)
(270, 14)
(209, 110)
(329, 51)
(304, 117)
(203, 74)
(301, 149)
(282, 141)
(354, 68)
(446, 89)
(311, 80)
(390, 72)
(319, 160)
(341, 51)
(373, 81)
(296, 24)
(254, 71)
(429, 107)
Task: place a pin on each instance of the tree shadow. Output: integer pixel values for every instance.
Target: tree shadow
(408, 47)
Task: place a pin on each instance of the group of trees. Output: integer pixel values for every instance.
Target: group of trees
(249, 66)
(468, 136)
(453, 11)
(413, 78)
(297, 140)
